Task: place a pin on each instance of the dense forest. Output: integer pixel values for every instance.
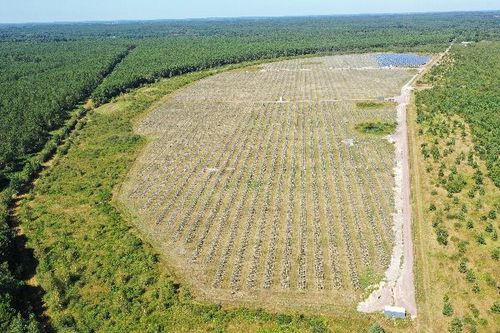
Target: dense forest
(39, 83)
(47, 69)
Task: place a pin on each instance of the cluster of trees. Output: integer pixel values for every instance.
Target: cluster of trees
(97, 275)
(11, 318)
(471, 89)
(458, 123)
(47, 69)
(201, 44)
(39, 83)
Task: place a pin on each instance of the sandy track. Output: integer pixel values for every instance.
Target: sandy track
(398, 286)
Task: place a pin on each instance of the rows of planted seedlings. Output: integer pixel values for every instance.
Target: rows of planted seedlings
(223, 217)
(317, 238)
(235, 225)
(251, 181)
(216, 191)
(331, 219)
(380, 186)
(148, 175)
(299, 85)
(170, 152)
(225, 222)
(350, 197)
(302, 280)
(286, 264)
(270, 262)
(194, 193)
(263, 220)
(261, 179)
(358, 191)
(183, 185)
(340, 202)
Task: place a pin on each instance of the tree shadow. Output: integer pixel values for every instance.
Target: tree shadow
(29, 298)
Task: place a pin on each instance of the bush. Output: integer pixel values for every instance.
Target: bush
(456, 325)
(480, 239)
(442, 236)
(447, 307)
(495, 253)
(376, 328)
(495, 308)
(476, 289)
(470, 276)
(455, 183)
(462, 267)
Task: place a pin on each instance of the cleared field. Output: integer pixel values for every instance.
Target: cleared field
(258, 189)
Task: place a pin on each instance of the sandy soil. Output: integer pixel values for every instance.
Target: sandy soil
(398, 287)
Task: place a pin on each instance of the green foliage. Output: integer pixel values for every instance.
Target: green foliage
(377, 128)
(447, 307)
(11, 319)
(469, 87)
(97, 274)
(480, 239)
(39, 83)
(455, 183)
(495, 253)
(442, 236)
(370, 105)
(495, 308)
(376, 328)
(456, 325)
(462, 267)
(470, 276)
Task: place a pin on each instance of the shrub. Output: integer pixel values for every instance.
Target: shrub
(462, 267)
(376, 328)
(456, 325)
(495, 308)
(447, 307)
(476, 289)
(495, 253)
(480, 239)
(442, 236)
(470, 276)
(455, 183)
(378, 128)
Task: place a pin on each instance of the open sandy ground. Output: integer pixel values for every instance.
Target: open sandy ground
(398, 286)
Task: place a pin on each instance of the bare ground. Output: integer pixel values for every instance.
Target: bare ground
(398, 286)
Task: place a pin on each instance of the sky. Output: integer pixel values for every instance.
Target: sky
(19, 11)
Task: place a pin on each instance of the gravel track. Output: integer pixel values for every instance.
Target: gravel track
(398, 286)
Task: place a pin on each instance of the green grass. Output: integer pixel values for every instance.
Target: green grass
(97, 273)
(370, 105)
(376, 128)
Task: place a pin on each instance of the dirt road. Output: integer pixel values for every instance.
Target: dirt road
(398, 286)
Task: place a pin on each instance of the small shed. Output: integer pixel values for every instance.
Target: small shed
(394, 312)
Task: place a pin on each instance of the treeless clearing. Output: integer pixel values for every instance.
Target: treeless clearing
(258, 189)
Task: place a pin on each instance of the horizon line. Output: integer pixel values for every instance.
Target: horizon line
(206, 18)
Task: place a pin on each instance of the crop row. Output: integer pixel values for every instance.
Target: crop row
(267, 194)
